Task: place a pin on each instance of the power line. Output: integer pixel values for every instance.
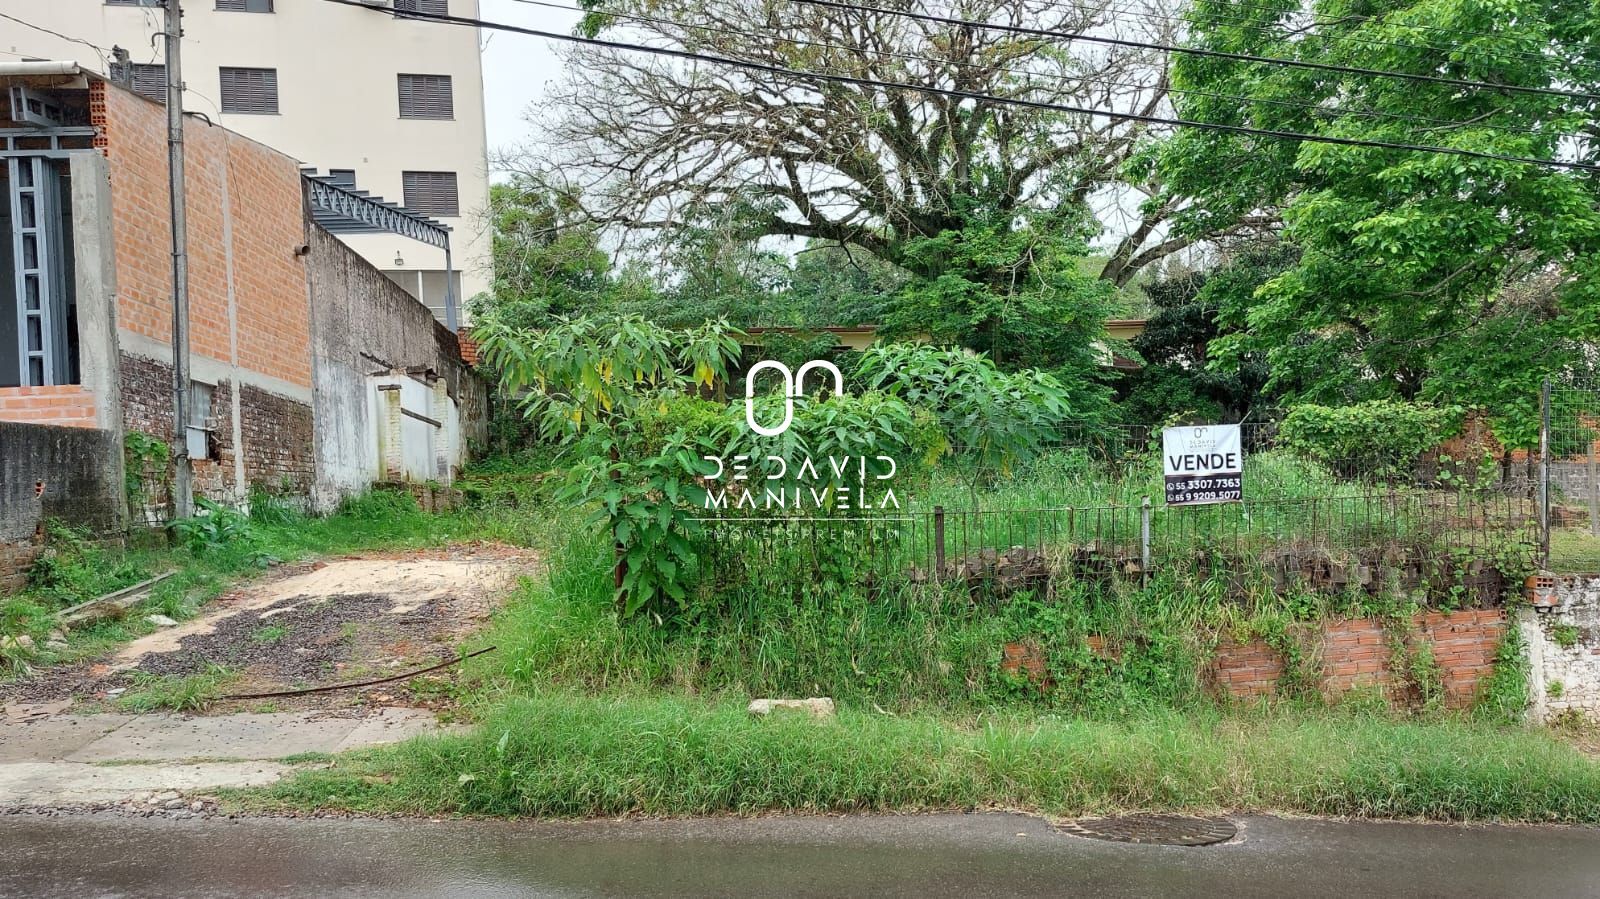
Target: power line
(1263, 27)
(99, 50)
(1313, 108)
(1196, 51)
(972, 95)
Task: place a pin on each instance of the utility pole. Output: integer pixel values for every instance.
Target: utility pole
(183, 473)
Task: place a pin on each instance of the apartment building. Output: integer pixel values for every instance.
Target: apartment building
(385, 105)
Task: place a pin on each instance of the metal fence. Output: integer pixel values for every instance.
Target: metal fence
(1570, 444)
(1090, 509)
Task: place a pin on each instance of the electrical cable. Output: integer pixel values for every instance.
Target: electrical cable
(972, 95)
(1197, 51)
(99, 50)
(1314, 108)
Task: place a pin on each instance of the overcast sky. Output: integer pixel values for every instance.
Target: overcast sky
(517, 67)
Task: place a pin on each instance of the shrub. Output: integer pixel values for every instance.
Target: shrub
(211, 527)
(998, 417)
(1384, 438)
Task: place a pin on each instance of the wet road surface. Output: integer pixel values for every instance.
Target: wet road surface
(969, 855)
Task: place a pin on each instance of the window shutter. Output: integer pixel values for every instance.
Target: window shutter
(250, 91)
(427, 7)
(426, 97)
(345, 178)
(431, 193)
(244, 5)
(145, 79)
(150, 80)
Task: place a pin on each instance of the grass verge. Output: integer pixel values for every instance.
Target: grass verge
(566, 755)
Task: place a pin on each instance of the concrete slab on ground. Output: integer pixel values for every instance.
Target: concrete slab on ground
(68, 759)
(63, 783)
(250, 736)
(55, 737)
(391, 725)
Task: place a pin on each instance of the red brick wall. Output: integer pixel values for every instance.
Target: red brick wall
(265, 221)
(277, 432)
(1246, 670)
(1357, 652)
(66, 405)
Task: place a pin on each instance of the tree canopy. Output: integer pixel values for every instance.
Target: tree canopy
(1420, 275)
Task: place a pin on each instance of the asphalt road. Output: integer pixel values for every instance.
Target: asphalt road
(969, 855)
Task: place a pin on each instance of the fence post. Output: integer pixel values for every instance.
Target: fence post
(938, 543)
(1594, 491)
(1544, 475)
(1144, 542)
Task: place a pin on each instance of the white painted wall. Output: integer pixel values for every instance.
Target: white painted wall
(338, 94)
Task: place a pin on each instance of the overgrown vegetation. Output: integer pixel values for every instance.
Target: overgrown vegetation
(562, 754)
(152, 692)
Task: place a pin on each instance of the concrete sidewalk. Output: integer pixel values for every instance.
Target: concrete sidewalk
(68, 759)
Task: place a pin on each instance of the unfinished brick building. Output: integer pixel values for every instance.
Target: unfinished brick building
(299, 346)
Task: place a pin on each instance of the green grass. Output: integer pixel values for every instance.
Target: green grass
(152, 692)
(562, 754)
(1574, 552)
(271, 633)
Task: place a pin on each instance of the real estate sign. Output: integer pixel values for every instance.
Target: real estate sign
(1203, 464)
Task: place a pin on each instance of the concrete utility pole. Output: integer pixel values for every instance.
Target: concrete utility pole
(183, 473)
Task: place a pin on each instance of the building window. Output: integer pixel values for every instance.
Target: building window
(250, 91)
(244, 5)
(146, 79)
(431, 193)
(426, 97)
(134, 2)
(199, 429)
(345, 178)
(426, 7)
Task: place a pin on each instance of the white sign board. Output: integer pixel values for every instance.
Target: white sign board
(1203, 464)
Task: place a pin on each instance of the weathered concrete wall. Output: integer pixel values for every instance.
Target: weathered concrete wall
(46, 472)
(365, 327)
(1563, 644)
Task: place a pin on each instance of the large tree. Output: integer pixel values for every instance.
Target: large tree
(1420, 275)
(872, 167)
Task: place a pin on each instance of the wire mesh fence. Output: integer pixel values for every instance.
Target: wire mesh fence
(1090, 508)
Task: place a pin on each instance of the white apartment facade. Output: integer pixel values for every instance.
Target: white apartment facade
(390, 105)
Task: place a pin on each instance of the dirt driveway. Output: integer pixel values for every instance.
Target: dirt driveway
(311, 625)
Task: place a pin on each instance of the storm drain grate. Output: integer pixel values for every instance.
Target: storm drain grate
(1164, 830)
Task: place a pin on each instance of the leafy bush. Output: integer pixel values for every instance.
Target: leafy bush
(1384, 438)
(212, 527)
(998, 417)
(73, 567)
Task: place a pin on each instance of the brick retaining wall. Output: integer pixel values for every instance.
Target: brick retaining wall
(1348, 654)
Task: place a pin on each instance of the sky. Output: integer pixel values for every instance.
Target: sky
(516, 67)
